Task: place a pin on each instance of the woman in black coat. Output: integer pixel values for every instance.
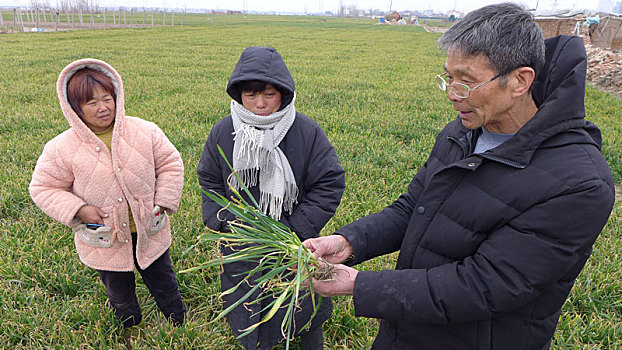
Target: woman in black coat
(290, 167)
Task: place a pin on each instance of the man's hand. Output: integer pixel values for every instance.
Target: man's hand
(91, 215)
(334, 248)
(341, 284)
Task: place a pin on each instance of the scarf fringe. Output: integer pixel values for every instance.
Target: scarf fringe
(251, 147)
(269, 203)
(249, 178)
(274, 206)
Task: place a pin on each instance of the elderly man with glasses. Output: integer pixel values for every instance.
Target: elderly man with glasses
(499, 222)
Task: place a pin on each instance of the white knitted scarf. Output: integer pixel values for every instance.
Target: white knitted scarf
(256, 156)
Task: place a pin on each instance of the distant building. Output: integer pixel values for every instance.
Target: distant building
(454, 15)
(349, 10)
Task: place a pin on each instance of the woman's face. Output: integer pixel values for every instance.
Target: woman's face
(264, 102)
(98, 113)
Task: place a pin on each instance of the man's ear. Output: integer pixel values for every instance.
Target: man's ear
(522, 78)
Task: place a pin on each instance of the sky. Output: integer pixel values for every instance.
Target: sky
(320, 6)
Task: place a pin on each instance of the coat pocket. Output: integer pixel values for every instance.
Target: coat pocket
(158, 219)
(100, 238)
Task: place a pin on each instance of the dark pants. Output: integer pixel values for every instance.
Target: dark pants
(313, 339)
(161, 281)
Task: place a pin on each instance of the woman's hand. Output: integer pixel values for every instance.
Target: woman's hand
(334, 248)
(91, 215)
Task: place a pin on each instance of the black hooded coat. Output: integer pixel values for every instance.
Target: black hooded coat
(491, 244)
(319, 177)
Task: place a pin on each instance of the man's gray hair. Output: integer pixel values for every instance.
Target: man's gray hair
(505, 33)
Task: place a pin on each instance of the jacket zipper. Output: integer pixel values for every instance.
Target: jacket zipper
(502, 161)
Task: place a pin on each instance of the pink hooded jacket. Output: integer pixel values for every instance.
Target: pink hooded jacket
(143, 170)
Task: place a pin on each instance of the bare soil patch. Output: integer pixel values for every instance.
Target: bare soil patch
(604, 69)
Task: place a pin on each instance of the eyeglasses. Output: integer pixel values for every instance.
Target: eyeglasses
(461, 90)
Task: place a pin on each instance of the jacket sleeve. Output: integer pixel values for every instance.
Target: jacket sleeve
(382, 233)
(210, 173)
(50, 187)
(323, 186)
(169, 172)
(511, 267)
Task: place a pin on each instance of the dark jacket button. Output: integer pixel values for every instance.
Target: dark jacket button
(420, 210)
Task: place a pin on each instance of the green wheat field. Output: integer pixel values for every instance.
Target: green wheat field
(371, 88)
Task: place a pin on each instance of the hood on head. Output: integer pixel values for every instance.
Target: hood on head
(61, 89)
(263, 64)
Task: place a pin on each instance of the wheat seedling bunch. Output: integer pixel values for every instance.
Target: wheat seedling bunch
(277, 254)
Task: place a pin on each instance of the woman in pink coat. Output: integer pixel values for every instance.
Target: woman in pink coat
(113, 179)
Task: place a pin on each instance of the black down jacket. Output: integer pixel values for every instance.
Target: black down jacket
(491, 244)
(319, 177)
